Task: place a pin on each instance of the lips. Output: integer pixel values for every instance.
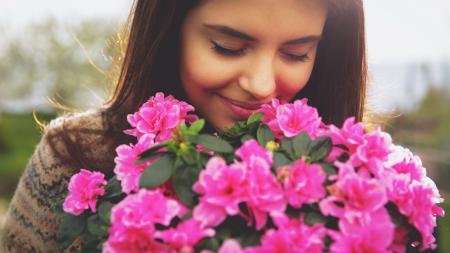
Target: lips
(240, 110)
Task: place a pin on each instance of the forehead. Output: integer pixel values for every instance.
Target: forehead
(277, 18)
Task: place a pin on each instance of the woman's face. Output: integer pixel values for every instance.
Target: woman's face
(239, 54)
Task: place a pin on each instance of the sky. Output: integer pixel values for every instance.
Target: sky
(397, 30)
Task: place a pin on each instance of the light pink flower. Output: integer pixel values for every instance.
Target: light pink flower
(159, 116)
(375, 236)
(133, 221)
(126, 170)
(304, 185)
(84, 189)
(298, 117)
(222, 188)
(291, 235)
(185, 236)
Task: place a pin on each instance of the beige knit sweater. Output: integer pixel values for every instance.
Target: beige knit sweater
(30, 225)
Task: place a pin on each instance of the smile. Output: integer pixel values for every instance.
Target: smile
(239, 109)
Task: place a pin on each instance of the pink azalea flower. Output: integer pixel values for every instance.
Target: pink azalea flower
(185, 236)
(159, 116)
(298, 117)
(374, 152)
(375, 236)
(404, 162)
(251, 149)
(133, 221)
(270, 119)
(360, 195)
(222, 189)
(265, 194)
(400, 240)
(291, 235)
(304, 185)
(231, 246)
(351, 135)
(126, 170)
(84, 189)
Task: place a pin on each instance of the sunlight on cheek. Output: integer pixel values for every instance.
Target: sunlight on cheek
(208, 70)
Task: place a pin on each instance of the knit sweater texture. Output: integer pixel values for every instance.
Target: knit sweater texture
(30, 224)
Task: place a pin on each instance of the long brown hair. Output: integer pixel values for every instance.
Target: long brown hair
(150, 62)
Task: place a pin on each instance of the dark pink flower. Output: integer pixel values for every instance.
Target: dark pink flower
(84, 189)
(298, 117)
(159, 116)
(291, 235)
(374, 152)
(251, 150)
(304, 183)
(185, 236)
(222, 188)
(126, 170)
(265, 194)
(356, 237)
(133, 222)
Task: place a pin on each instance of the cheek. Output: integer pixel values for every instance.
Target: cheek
(201, 68)
(294, 79)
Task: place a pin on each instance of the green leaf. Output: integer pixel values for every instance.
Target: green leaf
(158, 172)
(149, 157)
(113, 188)
(320, 148)
(264, 135)
(70, 228)
(104, 211)
(287, 147)
(150, 151)
(172, 147)
(312, 218)
(328, 169)
(246, 137)
(96, 226)
(197, 126)
(301, 144)
(279, 160)
(183, 181)
(212, 143)
(256, 117)
(187, 216)
(190, 155)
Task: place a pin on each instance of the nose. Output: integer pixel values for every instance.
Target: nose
(259, 79)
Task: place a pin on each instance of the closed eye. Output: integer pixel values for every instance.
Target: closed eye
(226, 51)
(294, 57)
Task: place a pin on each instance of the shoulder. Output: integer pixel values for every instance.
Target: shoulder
(83, 139)
(70, 142)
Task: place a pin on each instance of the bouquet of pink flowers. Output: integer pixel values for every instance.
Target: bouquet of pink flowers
(282, 181)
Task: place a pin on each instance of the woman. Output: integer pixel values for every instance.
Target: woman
(224, 57)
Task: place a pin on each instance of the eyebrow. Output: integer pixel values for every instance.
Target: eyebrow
(241, 35)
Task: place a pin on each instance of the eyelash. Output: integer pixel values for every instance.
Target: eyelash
(237, 52)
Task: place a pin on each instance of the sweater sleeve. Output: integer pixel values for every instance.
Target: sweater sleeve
(30, 224)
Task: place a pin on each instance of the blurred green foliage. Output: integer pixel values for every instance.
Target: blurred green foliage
(66, 62)
(19, 135)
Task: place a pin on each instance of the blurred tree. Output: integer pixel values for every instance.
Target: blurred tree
(67, 62)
